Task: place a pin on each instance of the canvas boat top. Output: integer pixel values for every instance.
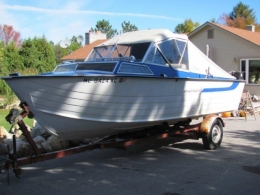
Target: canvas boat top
(145, 53)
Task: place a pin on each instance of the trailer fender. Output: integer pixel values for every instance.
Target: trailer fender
(208, 121)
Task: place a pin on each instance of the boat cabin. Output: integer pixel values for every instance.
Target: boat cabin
(151, 52)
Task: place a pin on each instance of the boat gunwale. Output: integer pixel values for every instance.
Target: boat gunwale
(126, 76)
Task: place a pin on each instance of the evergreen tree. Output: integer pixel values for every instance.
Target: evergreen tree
(38, 54)
(59, 52)
(28, 52)
(11, 59)
(240, 17)
(46, 57)
(243, 11)
(105, 27)
(2, 67)
(128, 27)
(74, 44)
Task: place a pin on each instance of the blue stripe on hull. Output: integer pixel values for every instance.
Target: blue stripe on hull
(232, 87)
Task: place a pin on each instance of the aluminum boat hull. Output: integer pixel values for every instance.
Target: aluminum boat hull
(76, 107)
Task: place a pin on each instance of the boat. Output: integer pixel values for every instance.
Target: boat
(132, 81)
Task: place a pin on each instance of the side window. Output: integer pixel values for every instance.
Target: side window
(183, 47)
(134, 69)
(210, 33)
(65, 67)
(158, 58)
(185, 58)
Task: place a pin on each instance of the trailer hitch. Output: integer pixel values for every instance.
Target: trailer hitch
(16, 116)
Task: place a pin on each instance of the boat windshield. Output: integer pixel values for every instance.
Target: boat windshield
(173, 52)
(119, 51)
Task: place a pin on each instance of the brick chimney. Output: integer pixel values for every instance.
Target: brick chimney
(91, 36)
(250, 28)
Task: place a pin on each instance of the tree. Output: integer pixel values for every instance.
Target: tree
(243, 11)
(59, 52)
(38, 54)
(239, 22)
(46, 57)
(74, 44)
(8, 35)
(29, 53)
(128, 27)
(105, 27)
(240, 17)
(10, 61)
(213, 20)
(186, 27)
(2, 46)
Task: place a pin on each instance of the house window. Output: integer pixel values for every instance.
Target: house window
(251, 70)
(210, 33)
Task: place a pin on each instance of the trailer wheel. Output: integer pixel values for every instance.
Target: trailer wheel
(213, 138)
(18, 172)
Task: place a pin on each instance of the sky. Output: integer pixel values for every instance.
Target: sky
(61, 19)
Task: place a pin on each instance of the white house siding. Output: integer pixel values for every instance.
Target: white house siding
(226, 50)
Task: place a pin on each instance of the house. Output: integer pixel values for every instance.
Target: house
(232, 49)
(92, 39)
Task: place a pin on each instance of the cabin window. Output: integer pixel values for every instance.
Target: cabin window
(108, 67)
(136, 50)
(122, 51)
(154, 56)
(210, 33)
(65, 67)
(139, 50)
(134, 69)
(251, 70)
(100, 52)
(171, 51)
(184, 59)
(175, 51)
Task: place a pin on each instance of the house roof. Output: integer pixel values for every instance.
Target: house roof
(83, 52)
(253, 37)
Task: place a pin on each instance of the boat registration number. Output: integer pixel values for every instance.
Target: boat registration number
(103, 80)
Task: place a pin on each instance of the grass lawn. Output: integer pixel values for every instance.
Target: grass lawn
(7, 125)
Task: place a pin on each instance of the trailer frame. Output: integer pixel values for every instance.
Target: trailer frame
(210, 128)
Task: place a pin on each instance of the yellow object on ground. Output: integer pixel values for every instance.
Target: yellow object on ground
(226, 114)
(242, 113)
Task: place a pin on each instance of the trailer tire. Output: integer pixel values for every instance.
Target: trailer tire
(18, 172)
(212, 140)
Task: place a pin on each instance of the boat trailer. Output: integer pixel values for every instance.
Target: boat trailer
(210, 130)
